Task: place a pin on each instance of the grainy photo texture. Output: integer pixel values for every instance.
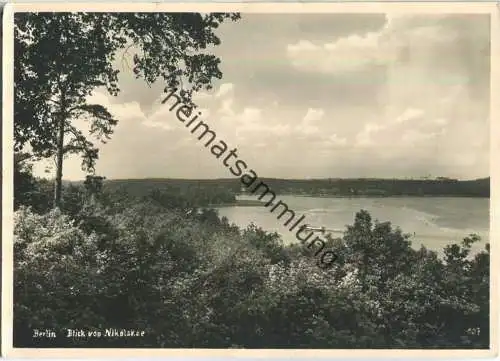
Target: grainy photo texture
(251, 180)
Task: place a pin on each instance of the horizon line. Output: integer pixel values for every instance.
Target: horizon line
(286, 179)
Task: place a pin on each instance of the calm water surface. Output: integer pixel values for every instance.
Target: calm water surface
(433, 222)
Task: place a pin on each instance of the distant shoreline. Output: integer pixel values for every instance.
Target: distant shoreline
(241, 203)
(388, 196)
(259, 203)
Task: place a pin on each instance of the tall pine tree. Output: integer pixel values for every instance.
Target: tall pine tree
(60, 58)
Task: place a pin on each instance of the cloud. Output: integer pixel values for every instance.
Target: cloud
(336, 140)
(364, 137)
(227, 107)
(352, 52)
(403, 38)
(411, 127)
(308, 124)
(440, 121)
(127, 110)
(250, 115)
(131, 111)
(224, 89)
(414, 136)
(409, 115)
(400, 98)
(313, 115)
(254, 125)
(346, 54)
(161, 125)
(332, 142)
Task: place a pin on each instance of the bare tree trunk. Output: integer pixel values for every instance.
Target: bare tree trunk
(60, 154)
(58, 185)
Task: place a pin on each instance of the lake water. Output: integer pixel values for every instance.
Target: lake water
(433, 222)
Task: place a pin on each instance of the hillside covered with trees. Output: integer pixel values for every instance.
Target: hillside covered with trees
(314, 187)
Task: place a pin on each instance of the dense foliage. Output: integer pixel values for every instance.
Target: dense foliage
(61, 58)
(190, 279)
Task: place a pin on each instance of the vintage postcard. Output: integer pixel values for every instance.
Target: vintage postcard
(255, 180)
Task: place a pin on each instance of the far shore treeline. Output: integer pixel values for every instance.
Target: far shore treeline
(223, 190)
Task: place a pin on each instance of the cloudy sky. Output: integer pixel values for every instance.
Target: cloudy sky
(330, 95)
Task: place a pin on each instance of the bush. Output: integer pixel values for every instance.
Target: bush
(190, 279)
(58, 275)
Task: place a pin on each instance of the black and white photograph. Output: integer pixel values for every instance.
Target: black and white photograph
(253, 178)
